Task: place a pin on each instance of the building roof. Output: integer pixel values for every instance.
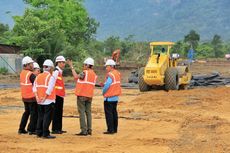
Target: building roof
(9, 49)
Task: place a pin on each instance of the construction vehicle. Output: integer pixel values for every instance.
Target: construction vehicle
(115, 56)
(162, 69)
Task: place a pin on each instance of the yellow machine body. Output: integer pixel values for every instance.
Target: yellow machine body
(159, 62)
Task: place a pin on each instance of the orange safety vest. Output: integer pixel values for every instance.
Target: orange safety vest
(115, 87)
(26, 84)
(42, 82)
(60, 86)
(86, 87)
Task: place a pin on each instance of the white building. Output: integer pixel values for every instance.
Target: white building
(10, 58)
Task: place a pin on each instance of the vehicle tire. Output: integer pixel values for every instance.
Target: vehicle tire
(171, 79)
(142, 85)
(184, 87)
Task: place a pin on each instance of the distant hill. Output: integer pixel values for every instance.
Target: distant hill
(151, 19)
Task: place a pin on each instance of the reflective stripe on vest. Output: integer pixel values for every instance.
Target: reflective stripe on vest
(60, 86)
(115, 87)
(86, 87)
(115, 80)
(85, 81)
(56, 87)
(26, 85)
(41, 82)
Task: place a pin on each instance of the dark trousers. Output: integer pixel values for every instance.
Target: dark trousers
(44, 119)
(30, 110)
(57, 115)
(111, 116)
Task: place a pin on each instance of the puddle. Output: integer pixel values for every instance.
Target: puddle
(11, 107)
(6, 86)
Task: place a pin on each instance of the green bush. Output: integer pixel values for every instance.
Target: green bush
(3, 70)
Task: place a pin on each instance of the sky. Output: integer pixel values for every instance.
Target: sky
(10, 9)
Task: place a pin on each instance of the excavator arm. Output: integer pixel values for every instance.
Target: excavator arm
(116, 56)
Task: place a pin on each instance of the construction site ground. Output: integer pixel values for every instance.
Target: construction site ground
(184, 121)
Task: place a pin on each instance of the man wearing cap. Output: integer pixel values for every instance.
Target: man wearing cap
(111, 91)
(60, 93)
(85, 84)
(26, 82)
(44, 89)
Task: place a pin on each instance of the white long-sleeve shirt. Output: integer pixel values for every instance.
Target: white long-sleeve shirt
(51, 85)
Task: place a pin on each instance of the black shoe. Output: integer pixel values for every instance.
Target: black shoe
(49, 137)
(108, 132)
(32, 133)
(81, 134)
(63, 131)
(56, 132)
(39, 136)
(89, 132)
(22, 132)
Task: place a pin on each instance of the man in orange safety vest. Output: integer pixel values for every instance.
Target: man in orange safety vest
(111, 91)
(26, 82)
(85, 84)
(60, 94)
(45, 94)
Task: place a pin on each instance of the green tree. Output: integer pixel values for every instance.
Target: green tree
(127, 44)
(112, 43)
(179, 48)
(71, 15)
(3, 28)
(226, 48)
(139, 54)
(38, 37)
(5, 33)
(217, 46)
(51, 27)
(192, 39)
(204, 50)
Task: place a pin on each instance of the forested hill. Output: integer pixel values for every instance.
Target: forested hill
(161, 19)
(150, 19)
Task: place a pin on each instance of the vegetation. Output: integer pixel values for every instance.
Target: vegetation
(192, 39)
(3, 70)
(153, 20)
(49, 28)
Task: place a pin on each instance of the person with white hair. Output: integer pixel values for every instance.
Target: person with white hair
(44, 89)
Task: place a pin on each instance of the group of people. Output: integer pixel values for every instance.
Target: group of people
(43, 96)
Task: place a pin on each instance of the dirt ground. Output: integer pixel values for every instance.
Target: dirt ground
(192, 121)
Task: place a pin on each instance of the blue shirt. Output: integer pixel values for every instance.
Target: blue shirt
(108, 83)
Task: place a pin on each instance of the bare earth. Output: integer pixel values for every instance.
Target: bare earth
(191, 121)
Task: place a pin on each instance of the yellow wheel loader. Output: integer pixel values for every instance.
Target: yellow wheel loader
(162, 69)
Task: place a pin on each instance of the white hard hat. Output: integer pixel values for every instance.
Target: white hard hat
(175, 55)
(110, 62)
(49, 63)
(89, 61)
(27, 60)
(60, 59)
(36, 66)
